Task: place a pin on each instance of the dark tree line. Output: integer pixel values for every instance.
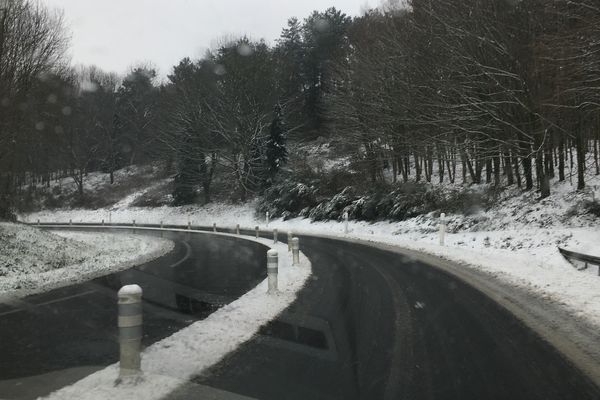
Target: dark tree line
(503, 92)
(509, 88)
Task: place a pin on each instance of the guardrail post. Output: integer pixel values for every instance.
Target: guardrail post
(70, 222)
(161, 224)
(256, 229)
(189, 225)
(237, 229)
(110, 218)
(214, 226)
(38, 222)
(272, 270)
(102, 222)
(295, 251)
(267, 215)
(442, 228)
(346, 222)
(130, 331)
(274, 235)
(290, 236)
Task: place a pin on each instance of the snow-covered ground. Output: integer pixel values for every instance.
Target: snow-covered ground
(34, 260)
(176, 359)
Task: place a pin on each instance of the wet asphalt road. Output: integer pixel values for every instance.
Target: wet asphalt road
(53, 339)
(375, 325)
(370, 324)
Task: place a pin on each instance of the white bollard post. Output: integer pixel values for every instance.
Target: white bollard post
(290, 236)
(442, 228)
(272, 270)
(267, 215)
(346, 222)
(38, 222)
(256, 229)
(295, 251)
(214, 226)
(70, 222)
(130, 331)
(134, 223)
(189, 225)
(102, 222)
(237, 229)
(274, 236)
(161, 224)
(110, 218)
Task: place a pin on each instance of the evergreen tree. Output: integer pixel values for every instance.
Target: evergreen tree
(186, 179)
(276, 151)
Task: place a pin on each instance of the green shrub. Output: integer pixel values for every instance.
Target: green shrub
(287, 199)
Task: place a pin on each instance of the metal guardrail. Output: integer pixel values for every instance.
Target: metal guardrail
(586, 259)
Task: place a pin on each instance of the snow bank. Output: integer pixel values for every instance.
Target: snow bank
(34, 260)
(176, 359)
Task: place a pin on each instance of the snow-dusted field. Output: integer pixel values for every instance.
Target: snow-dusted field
(34, 260)
(175, 360)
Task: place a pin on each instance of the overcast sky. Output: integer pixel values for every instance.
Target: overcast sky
(115, 34)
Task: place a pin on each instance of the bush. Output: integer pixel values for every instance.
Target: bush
(287, 199)
(320, 202)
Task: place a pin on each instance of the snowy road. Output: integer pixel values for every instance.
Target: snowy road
(53, 339)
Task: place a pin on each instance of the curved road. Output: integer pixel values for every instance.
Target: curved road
(372, 324)
(53, 339)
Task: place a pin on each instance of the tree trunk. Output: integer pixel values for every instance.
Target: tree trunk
(497, 174)
(543, 180)
(561, 160)
(488, 170)
(580, 143)
(508, 168)
(527, 171)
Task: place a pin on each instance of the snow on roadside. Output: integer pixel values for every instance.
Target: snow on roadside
(175, 360)
(34, 261)
(521, 252)
(223, 214)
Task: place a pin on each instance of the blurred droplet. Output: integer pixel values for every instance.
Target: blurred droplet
(219, 69)
(5, 102)
(88, 86)
(58, 129)
(322, 25)
(125, 148)
(66, 110)
(52, 99)
(40, 125)
(244, 49)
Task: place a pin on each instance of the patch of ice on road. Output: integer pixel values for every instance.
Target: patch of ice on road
(33, 260)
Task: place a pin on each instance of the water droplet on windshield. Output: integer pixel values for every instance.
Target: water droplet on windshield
(244, 50)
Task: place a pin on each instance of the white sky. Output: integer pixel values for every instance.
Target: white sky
(116, 34)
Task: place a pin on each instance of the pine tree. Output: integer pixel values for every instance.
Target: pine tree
(276, 151)
(186, 179)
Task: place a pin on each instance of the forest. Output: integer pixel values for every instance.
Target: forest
(498, 92)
